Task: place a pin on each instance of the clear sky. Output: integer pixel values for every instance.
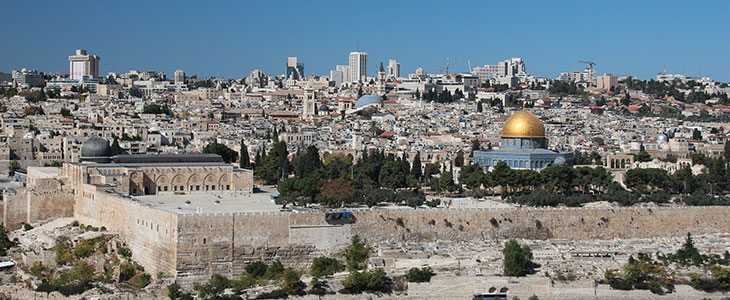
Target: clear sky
(229, 39)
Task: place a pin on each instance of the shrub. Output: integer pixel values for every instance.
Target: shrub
(27, 227)
(63, 246)
(66, 258)
(642, 274)
(256, 269)
(174, 291)
(75, 223)
(37, 269)
(125, 252)
(420, 275)
(357, 253)
(82, 273)
(65, 289)
(358, 282)
(246, 281)
(126, 272)
(84, 249)
(275, 270)
(318, 287)
(218, 283)
(516, 258)
(144, 280)
(292, 284)
(433, 203)
(325, 266)
(103, 248)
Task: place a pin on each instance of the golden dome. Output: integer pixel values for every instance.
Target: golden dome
(523, 124)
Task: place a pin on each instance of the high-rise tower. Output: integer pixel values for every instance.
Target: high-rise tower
(82, 65)
(358, 66)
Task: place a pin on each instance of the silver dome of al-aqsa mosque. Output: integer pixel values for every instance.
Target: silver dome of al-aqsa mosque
(95, 148)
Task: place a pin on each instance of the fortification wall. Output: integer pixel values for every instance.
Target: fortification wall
(15, 208)
(150, 233)
(224, 243)
(534, 223)
(195, 246)
(33, 206)
(48, 205)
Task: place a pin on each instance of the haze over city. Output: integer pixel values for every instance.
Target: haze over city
(228, 39)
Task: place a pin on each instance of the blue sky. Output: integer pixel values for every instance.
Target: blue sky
(229, 39)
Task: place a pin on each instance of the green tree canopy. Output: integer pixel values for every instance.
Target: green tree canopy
(517, 259)
(226, 153)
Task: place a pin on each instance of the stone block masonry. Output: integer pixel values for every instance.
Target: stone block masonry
(536, 223)
(193, 246)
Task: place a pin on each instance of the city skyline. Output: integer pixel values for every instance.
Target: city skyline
(550, 38)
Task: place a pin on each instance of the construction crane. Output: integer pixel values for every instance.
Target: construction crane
(591, 72)
(589, 63)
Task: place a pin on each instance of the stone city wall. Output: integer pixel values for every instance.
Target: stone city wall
(48, 205)
(150, 233)
(224, 243)
(15, 208)
(194, 246)
(33, 206)
(536, 223)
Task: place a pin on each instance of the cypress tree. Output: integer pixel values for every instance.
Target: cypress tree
(115, 149)
(416, 169)
(245, 160)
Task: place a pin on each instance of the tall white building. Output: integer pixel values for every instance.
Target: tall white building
(585, 76)
(336, 76)
(82, 65)
(358, 66)
(179, 77)
(393, 70)
(508, 68)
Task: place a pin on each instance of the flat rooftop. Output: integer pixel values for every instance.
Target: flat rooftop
(211, 202)
(43, 172)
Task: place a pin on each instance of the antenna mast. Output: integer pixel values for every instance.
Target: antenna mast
(447, 61)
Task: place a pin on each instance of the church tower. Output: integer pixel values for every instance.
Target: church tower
(309, 104)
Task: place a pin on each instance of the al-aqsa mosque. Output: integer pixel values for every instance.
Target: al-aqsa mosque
(523, 146)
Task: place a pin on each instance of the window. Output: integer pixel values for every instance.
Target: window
(165, 188)
(204, 240)
(174, 188)
(212, 187)
(197, 187)
(228, 187)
